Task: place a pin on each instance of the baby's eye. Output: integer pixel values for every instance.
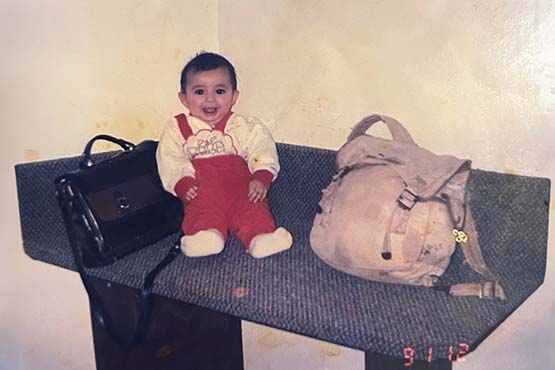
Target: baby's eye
(220, 91)
(198, 92)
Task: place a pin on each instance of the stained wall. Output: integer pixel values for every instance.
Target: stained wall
(471, 78)
(474, 79)
(71, 69)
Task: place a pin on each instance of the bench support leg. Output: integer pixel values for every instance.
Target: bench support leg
(181, 336)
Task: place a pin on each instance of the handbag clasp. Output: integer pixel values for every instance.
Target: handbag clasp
(122, 201)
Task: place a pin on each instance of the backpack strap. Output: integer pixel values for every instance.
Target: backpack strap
(468, 242)
(453, 169)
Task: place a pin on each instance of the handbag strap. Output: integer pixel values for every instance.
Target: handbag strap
(98, 312)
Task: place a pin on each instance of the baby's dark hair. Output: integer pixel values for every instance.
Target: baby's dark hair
(206, 61)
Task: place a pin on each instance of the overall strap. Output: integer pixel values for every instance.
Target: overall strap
(187, 131)
(220, 126)
(184, 127)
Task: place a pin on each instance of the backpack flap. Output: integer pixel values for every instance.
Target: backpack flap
(425, 177)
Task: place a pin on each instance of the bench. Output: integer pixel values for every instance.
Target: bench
(395, 325)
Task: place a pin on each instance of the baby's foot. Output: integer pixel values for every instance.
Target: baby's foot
(265, 245)
(203, 243)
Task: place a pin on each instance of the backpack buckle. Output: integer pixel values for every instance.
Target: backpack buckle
(487, 289)
(407, 198)
(442, 288)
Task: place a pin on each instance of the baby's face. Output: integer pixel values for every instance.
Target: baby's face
(209, 95)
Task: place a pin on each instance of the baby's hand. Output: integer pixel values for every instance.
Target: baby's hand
(191, 193)
(257, 191)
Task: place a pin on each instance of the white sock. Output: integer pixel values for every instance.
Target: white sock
(264, 245)
(203, 243)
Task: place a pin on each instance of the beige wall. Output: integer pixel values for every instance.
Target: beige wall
(71, 69)
(471, 78)
(474, 79)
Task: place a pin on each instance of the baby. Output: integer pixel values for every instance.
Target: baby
(220, 164)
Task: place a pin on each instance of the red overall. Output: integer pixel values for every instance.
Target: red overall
(222, 198)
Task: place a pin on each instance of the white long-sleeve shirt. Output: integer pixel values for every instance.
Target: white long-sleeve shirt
(243, 136)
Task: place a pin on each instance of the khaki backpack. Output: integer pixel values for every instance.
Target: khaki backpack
(394, 213)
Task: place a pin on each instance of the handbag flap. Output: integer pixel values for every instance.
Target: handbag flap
(126, 197)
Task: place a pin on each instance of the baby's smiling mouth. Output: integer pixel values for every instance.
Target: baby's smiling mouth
(210, 110)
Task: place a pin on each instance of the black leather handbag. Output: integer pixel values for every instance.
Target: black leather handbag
(116, 206)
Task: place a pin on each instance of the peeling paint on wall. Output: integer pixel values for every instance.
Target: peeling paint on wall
(101, 125)
(512, 171)
(272, 340)
(30, 155)
(330, 350)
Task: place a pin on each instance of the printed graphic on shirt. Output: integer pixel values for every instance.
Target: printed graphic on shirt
(207, 143)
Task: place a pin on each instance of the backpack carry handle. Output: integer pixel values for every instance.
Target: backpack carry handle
(398, 131)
